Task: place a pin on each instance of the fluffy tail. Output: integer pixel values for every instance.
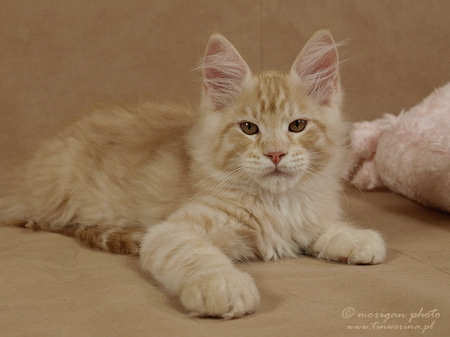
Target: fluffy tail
(114, 239)
(120, 240)
(12, 213)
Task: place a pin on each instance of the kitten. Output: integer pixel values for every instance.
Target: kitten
(254, 173)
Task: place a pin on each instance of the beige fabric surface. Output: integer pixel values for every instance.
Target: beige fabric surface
(56, 55)
(50, 285)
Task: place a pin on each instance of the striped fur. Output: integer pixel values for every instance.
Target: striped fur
(192, 192)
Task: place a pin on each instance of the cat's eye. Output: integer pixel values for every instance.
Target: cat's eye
(249, 128)
(298, 125)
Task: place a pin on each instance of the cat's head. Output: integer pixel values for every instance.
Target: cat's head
(271, 129)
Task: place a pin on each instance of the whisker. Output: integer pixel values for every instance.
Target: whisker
(222, 185)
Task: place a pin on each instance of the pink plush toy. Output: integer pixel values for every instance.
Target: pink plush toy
(409, 154)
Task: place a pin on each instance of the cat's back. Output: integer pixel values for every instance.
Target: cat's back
(117, 134)
(132, 124)
(120, 163)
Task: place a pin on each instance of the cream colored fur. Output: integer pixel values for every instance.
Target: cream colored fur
(203, 190)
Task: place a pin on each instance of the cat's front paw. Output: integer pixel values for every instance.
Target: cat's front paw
(354, 246)
(228, 294)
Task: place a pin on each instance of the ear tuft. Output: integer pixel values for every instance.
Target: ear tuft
(224, 71)
(317, 67)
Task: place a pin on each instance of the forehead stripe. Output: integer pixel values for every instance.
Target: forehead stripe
(272, 92)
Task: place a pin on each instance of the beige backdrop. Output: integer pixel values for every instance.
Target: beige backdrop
(55, 54)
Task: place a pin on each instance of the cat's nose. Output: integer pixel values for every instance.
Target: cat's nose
(275, 156)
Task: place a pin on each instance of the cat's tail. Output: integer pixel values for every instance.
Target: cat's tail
(124, 239)
(12, 213)
(114, 239)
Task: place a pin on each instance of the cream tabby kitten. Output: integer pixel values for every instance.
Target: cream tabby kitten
(254, 173)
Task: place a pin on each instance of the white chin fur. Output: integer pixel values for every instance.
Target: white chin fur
(278, 183)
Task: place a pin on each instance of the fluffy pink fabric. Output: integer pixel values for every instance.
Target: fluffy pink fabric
(409, 153)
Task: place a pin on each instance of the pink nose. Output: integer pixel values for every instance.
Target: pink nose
(275, 156)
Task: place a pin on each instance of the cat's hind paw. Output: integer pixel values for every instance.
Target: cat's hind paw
(227, 294)
(350, 245)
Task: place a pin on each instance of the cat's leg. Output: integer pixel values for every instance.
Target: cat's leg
(184, 259)
(344, 243)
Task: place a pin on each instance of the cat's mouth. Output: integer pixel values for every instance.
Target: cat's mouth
(277, 173)
(278, 180)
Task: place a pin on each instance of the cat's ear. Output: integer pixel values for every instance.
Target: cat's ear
(317, 67)
(224, 72)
